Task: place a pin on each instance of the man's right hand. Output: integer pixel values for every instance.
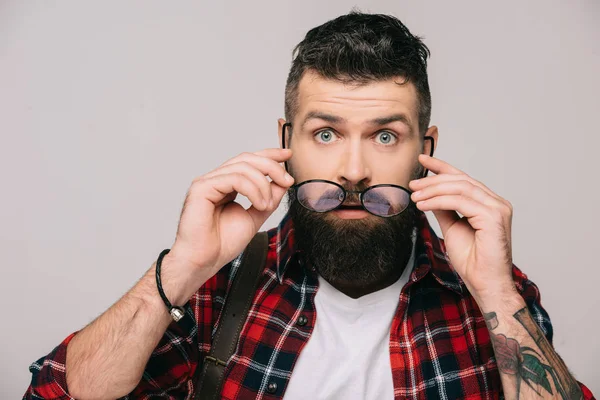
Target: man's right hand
(107, 359)
(213, 228)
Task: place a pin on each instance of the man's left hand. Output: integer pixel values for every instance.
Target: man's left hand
(478, 243)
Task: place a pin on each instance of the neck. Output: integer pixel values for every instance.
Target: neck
(354, 291)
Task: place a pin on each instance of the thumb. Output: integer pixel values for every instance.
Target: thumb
(446, 219)
(259, 216)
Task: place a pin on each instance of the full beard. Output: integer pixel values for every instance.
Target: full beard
(354, 252)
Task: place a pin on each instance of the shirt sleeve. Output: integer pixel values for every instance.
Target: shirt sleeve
(171, 367)
(171, 370)
(49, 375)
(166, 376)
(531, 294)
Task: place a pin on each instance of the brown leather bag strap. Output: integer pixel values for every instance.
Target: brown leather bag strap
(236, 308)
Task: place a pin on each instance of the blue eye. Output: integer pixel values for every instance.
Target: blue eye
(386, 137)
(325, 136)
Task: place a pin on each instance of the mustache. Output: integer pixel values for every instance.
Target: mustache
(356, 252)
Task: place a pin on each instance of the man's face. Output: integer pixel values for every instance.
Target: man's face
(357, 136)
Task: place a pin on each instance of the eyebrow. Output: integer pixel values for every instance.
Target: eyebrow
(392, 118)
(322, 116)
(377, 121)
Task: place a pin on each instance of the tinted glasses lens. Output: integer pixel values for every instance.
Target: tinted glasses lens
(320, 196)
(386, 201)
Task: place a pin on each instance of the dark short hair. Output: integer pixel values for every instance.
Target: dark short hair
(360, 48)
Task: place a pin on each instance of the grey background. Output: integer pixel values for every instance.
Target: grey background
(108, 110)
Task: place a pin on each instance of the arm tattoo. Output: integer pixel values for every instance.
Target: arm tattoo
(491, 320)
(527, 364)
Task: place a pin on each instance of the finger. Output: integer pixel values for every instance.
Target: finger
(457, 187)
(248, 170)
(419, 184)
(438, 166)
(265, 165)
(275, 154)
(446, 219)
(278, 193)
(260, 216)
(475, 211)
(219, 187)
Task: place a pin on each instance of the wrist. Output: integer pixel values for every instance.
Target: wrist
(503, 298)
(180, 279)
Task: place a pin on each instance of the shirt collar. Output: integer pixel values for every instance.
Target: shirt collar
(430, 254)
(431, 257)
(285, 245)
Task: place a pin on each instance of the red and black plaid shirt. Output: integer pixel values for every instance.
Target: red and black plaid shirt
(439, 342)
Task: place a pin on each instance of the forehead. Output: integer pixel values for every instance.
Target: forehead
(355, 102)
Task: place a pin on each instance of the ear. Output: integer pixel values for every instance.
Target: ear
(433, 132)
(280, 123)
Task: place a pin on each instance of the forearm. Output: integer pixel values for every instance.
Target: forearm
(528, 365)
(108, 357)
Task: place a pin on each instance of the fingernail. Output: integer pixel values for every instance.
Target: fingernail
(416, 194)
(264, 204)
(288, 177)
(271, 203)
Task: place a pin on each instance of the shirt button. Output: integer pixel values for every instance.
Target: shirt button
(272, 388)
(302, 320)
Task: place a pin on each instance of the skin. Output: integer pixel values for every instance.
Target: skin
(356, 151)
(475, 221)
(343, 145)
(106, 359)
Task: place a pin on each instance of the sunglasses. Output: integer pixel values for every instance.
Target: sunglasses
(319, 195)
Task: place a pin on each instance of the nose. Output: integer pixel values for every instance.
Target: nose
(354, 168)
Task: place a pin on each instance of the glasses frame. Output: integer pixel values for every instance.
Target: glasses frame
(345, 192)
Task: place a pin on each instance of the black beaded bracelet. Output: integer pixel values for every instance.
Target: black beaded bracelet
(176, 312)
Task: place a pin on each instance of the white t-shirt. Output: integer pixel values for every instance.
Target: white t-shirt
(347, 355)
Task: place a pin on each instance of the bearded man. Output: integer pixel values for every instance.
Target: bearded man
(357, 297)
